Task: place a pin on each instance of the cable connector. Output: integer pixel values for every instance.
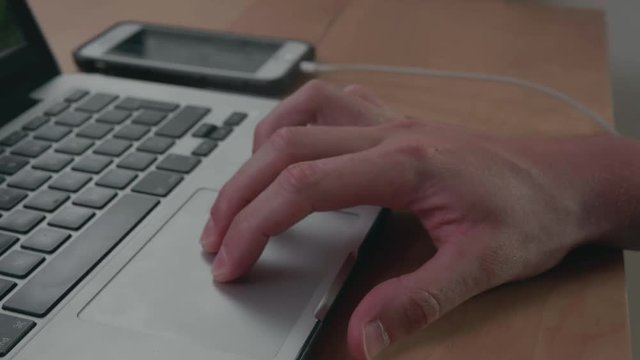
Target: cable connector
(308, 67)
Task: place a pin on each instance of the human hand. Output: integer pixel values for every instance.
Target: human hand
(497, 209)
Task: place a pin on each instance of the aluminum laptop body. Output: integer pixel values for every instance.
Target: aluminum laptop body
(146, 290)
(624, 65)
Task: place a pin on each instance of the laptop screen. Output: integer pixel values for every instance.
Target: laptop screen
(25, 60)
(11, 37)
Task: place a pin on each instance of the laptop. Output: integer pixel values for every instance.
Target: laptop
(106, 185)
(624, 66)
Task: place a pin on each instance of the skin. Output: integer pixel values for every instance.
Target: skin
(498, 209)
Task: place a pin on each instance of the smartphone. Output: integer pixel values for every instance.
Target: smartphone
(222, 60)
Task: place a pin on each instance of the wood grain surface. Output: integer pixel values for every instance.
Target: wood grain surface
(575, 311)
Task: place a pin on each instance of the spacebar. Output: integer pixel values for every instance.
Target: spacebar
(58, 277)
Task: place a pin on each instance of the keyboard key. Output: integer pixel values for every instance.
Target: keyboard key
(29, 180)
(235, 119)
(159, 183)
(46, 240)
(13, 138)
(179, 163)
(74, 146)
(131, 132)
(137, 161)
(52, 162)
(149, 117)
(204, 130)
(114, 116)
(10, 198)
(5, 287)
(31, 148)
(221, 133)
(21, 221)
(12, 330)
(52, 132)
(71, 217)
(6, 242)
(95, 197)
(112, 147)
(158, 105)
(76, 95)
(93, 164)
(156, 145)
(56, 109)
(19, 263)
(95, 131)
(70, 181)
(35, 123)
(182, 121)
(10, 165)
(58, 277)
(204, 148)
(47, 200)
(72, 118)
(131, 103)
(96, 102)
(117, 178)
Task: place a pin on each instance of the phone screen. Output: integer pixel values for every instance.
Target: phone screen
(203, 50)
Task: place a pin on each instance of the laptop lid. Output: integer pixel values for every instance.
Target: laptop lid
(25, 60)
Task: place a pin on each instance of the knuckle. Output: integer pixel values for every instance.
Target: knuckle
(406, 124)
(412, 154)
(242, 223)
(229, 200)
(221, 203)
(298, 177)
(413, 149)
(262, 130)
(314, 89)
(313, 93)
(410, 159)
(356, 89)
(284, 139)
(421, 307)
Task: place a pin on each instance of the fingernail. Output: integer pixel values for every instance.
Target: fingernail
(375, 339)
(207, 232)
(220, 265)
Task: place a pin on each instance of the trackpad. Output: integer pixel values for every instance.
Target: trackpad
(167, 288)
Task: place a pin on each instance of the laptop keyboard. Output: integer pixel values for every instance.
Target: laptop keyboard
(77, 180)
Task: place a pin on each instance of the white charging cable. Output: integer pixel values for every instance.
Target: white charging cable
(310, 67)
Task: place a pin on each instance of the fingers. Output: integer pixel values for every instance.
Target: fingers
(321, 185)
(401, 306)
(287, 146)
(365, 94)
(321, 104)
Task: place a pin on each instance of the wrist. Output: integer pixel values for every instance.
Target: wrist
(600, 176)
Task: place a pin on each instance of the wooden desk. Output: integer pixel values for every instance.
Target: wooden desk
(577, 310)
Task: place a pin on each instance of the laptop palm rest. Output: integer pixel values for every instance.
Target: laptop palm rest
(166, 290)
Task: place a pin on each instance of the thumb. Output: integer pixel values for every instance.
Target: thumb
(400, 306)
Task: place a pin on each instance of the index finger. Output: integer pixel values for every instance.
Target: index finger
(318, 103)
(371, 177)
(288, 146)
